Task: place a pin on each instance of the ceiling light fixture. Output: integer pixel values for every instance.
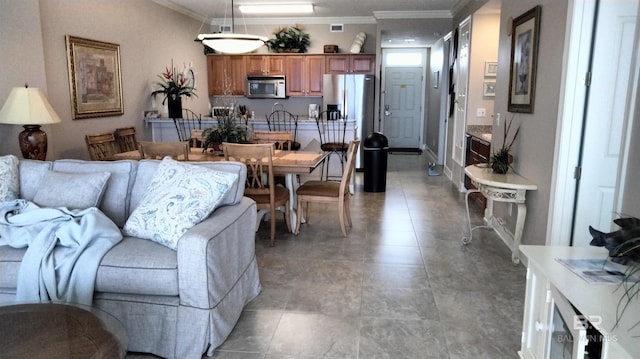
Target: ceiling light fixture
(231, 43)
(277, 9)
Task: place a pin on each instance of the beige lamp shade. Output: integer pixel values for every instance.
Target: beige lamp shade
(27, 106)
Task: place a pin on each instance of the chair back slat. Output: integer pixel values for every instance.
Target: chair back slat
(101, 146)
(350, 167)
(126, 138)
(158, 150)
(282, 140)
(281, 120)
(189, 121)
(332, 128)
(259, 161)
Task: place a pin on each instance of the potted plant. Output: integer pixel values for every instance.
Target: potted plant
(289, 39)
(624, 248)
(229, 129)
(501, 160)
(173, 86)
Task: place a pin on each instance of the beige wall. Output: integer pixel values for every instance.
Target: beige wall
(149, 35)
(534, 149)
(484, 47)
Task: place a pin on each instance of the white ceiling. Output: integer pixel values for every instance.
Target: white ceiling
(215, 12)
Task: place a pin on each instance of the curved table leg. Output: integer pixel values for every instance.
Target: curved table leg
(517, 236)
(467, 240)
(292, 185)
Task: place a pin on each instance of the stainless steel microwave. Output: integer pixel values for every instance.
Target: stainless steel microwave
(266, 87)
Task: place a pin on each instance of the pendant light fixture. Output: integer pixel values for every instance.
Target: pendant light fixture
(232, 43)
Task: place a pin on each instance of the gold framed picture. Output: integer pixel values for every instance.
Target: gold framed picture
(94, 78)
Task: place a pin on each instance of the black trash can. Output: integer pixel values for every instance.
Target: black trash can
(376, 149)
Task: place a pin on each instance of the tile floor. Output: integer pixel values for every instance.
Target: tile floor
(400, 286)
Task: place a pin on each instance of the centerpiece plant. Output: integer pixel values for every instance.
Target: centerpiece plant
(173, 85)
(501, 159)
(289, 39)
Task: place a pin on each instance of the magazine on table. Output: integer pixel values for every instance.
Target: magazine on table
(597, 271)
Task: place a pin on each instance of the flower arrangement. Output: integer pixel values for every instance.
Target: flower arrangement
(289, 38)
(174, 85)
(500, 161)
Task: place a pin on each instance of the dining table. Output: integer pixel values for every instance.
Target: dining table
(289, 164)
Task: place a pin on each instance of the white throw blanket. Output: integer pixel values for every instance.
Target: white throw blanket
(65, 248)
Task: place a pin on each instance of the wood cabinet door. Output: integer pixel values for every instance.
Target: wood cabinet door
(255, 65)
(315, 71)
(238, 74)
(275, 65)
(226, 73)
(337, 64)
(295, 75)
(362, 64)
(265, 65)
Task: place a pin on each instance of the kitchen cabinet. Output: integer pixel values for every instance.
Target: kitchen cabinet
(304, 75)
(350, 64)
(478, 151)
(226, 74)
(265, 65)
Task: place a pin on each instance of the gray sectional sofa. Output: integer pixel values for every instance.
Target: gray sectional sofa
(173, 303)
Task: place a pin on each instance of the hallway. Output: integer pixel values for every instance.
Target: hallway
(400, 286)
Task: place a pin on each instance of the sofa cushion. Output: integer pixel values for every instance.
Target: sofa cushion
(31, 174)
(179, 196)
(9, 178)
(71, 190)
(147, 168)
(115, 202)
(138, 266)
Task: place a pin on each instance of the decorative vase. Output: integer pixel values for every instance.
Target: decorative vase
(174, 107)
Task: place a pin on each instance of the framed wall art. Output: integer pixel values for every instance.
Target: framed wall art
(490, 69)
(94, 78)
(489, 88)
(524, 57)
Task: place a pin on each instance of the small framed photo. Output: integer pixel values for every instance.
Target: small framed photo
(489, 88)
(490, 69)
(94, 78)
(151, 114)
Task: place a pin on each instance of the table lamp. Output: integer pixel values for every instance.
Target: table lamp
(29, 107)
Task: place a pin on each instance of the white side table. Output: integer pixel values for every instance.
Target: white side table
(509, 187)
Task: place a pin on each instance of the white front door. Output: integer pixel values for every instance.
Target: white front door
(462, 80)
(607, 117)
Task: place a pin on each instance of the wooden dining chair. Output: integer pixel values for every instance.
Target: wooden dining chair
(260, 182)
(329, 192)
(332, 129)
(101, 146)
(281, 139)
(126, 138)
(281, 120)
(179, 151)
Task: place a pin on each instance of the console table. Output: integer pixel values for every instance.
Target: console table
(509, 187)
(546, 324)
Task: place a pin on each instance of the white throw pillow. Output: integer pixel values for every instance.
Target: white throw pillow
(180, 196)
(71, 190)
(9, 180)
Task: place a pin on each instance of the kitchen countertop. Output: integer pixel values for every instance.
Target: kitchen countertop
(482, 132)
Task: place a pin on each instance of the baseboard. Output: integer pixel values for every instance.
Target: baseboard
(405, 151)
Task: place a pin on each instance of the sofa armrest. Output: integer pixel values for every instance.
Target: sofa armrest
(214, 254)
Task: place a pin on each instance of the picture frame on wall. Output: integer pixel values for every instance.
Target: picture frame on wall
(94, 78)
(524, 58)
(490, 69)
(489, 88)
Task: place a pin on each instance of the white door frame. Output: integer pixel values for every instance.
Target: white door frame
(570, 114)
(383, 76)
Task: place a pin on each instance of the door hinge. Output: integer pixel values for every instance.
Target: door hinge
(587, 79)
(577, 172)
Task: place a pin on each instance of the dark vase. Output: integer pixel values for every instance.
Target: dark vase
(175, 107)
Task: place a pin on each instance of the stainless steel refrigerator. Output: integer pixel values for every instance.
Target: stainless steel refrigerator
(352, 95)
